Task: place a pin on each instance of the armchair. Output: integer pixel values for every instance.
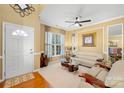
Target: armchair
(96, 76)
(112, 79)
(93, 81)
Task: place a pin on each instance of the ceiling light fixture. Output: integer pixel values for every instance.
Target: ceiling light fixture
(77, 25)
(19, 33)
(23, 9)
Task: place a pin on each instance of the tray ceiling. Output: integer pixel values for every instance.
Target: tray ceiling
(56, 14)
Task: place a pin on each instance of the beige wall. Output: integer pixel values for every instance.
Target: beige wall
(68, 39)
(0, 48)
(0, 68)
(41, 45)
(101, 43)
(42, 39)
(7, 14)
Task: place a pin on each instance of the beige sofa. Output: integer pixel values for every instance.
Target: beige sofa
(86, 58)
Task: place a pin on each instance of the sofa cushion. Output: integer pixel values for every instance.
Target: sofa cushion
(102, 75)
(85, 62)
(115, 75)
(93, 55)
(94, 71)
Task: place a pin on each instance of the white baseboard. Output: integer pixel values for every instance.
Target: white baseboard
(1, 81)
(36, 70)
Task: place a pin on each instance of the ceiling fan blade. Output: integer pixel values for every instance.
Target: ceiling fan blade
(84, 21)
(71, 25)
(70, 21)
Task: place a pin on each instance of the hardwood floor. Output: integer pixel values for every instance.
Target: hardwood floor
(38, 82)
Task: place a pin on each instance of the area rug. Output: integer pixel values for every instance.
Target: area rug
(60, 77)
(18, 80)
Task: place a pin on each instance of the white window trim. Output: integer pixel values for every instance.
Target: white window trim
(62, 45)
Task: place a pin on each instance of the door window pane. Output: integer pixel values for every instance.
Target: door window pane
(62, 39)
(58, 38)
(58, 49)
(49, 40)
(49, 51)
(62, 50)
(53, 50)
(46, 38)
(53, 39)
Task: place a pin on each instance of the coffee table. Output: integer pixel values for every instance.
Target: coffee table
(71, 67)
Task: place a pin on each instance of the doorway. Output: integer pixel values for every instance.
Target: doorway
(115, 43)
(18, 50)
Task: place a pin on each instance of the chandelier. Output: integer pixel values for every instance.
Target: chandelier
(23, 9)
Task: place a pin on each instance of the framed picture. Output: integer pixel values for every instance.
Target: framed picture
(88, 40)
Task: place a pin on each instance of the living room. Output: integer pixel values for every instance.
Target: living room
(74, 42)
(102, 33)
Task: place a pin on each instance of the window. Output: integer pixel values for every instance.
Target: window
(54, 44)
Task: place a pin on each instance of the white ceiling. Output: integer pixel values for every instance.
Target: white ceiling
(56, 14)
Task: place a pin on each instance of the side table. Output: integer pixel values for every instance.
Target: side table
(70, 68)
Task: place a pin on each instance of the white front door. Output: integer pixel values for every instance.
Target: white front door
(19, 47)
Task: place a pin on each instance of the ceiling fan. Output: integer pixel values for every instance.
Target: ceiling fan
(77, 21)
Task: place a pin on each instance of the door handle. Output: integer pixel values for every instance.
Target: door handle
(31, 51)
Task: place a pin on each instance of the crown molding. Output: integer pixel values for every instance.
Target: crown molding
(99, 22)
